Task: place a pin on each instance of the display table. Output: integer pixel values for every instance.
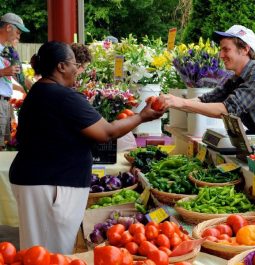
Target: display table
(8, 206)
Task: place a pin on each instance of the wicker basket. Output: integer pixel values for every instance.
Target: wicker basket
(200, 183)
(240, 257)
(196, 217)
(189, 257)
(166, 197)
(217, 249)
(94, 197)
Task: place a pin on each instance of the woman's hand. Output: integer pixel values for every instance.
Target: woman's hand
(155, 108)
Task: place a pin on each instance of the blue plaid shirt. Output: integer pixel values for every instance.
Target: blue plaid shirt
(238, 95)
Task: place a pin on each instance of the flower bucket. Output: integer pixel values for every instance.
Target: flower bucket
(178, 118)
(197, 124)
(152, 127)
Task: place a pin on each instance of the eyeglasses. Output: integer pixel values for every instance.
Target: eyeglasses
(78, 65)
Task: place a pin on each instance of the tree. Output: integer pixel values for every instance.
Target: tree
(122, 17)
(209, 15)
(34, 15)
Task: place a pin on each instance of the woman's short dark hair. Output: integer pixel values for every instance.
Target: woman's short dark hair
(81, 52)
(50, 54)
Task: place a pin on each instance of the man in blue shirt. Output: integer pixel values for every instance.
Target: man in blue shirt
(11, 27)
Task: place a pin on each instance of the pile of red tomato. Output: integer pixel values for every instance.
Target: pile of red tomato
(226, 233)
(36, 255)
(111, 255)
(154, 241)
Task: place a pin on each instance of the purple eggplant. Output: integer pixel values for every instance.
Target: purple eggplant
(97, 188)
(94, 180)
(114, 183)
(128, 179)
(96, 236)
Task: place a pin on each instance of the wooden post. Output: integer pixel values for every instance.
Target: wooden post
(62, 20)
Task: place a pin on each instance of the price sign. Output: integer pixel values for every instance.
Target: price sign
(171, 38)
(118, 67)
(227, 167)
(98, 170)
(202, 153)
(158, 215)
(167, 148)
(144, 197)
(219, 159)
(190, 149)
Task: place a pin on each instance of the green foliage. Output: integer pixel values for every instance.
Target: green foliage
(120, 18)
(34, 15)
(210, 15)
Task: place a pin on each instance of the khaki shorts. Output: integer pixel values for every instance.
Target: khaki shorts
(5, 121)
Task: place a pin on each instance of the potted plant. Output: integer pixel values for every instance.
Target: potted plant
(201, 69)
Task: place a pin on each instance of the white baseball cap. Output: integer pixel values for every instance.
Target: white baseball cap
(240, 32)
(16, 20)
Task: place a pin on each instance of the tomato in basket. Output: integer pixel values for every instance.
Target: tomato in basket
(224, 229)
(236, 222)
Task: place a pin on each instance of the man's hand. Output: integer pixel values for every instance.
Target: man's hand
(10, 70)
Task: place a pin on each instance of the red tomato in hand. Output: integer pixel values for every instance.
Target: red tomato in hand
(158, 104)
(37, 255)
(211, 232)
(252, 157)
(224, 229)
(8, 251)
(236, 222)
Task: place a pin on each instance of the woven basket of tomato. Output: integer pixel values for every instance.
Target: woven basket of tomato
(154, 241)
(227, 236)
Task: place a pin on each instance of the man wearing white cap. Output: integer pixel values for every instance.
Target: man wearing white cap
(236, 96)
(11, 27)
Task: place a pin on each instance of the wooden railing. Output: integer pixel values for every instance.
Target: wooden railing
(26, 50)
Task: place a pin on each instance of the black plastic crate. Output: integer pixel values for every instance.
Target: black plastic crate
(105, 153)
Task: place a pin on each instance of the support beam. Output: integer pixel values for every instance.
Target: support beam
(81, 23)
(62, 20)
